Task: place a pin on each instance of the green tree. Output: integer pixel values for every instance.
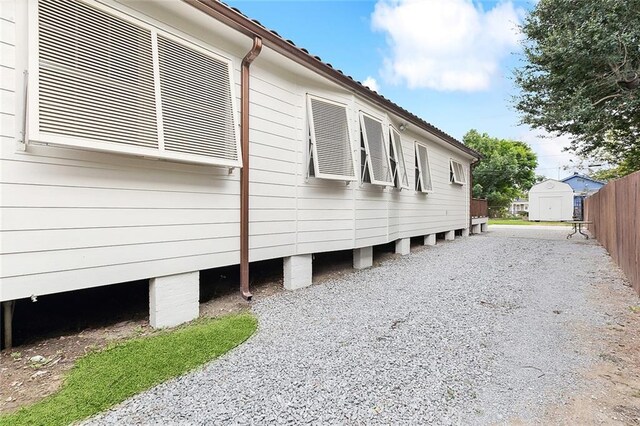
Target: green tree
(610, 173)
(582, 75)
(605, 175)
(505, 173)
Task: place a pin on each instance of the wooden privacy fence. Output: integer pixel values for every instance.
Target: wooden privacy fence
(614, 212)
(479, 207)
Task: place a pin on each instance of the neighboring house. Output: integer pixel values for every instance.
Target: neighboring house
(132, 165)
(550, 200)
(583, 186)
(518, 206)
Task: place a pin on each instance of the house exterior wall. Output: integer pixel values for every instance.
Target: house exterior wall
(73, 219)
(519, 206)
(7, 100)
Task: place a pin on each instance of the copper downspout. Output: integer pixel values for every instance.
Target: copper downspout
(244, 172)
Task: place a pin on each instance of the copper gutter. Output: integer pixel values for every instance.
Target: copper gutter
(244, 25)
(244, 172)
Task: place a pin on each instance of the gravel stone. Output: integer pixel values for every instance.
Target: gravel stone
(477, 330)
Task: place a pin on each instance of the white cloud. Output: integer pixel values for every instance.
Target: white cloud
(371, 83)
(446, 44)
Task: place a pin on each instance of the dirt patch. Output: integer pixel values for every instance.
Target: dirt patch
(613, 396)
(37, 367)
(35, 370)
(32, 371)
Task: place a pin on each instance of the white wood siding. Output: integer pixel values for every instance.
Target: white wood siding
(274, 129)
(7, 69)
(7, 102)
(73, 219)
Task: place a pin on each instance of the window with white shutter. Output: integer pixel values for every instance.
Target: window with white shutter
(456, 173)
(423, 171)
(376, 145)
(104, 80)
(331, 155)
(197, 111)
(95, 76)
(396, 157)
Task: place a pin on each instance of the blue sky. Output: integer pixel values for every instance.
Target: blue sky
(447, 61)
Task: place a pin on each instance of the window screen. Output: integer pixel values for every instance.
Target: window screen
(457, 173)
(376, 148)
(331, 144)
(423, 180)
(399, 166)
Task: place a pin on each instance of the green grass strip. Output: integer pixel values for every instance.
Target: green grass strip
(102, 379)
(523, 222)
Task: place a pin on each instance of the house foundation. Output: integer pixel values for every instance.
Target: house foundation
(465, 232)
(479, 225)
(403, 246)
(298, 271)
(174, 299)
(430, 240)
(363, 257)
(450, 235)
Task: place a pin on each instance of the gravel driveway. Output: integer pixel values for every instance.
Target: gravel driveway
(478, 330)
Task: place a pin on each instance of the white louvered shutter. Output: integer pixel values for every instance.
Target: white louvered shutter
(423, 166)
(400, 163)
(461, 175)
(332, 152)
(95, 76)
(458, 173)
(197, 111)
(375, 144)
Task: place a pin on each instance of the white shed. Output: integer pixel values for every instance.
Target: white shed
(550, 200)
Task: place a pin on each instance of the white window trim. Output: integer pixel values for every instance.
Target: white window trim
(419, 166)
(458, 180)
(313, 149)
(86, 143)
(385, 145)
(399, 157)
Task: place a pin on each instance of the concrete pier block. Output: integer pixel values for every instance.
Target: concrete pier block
(465, 232)
(363, 257)
(298, 271)
(403, 246)
(450, 235)
(484, 227)
(174, 299)
(430, 240)
(475, 229)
